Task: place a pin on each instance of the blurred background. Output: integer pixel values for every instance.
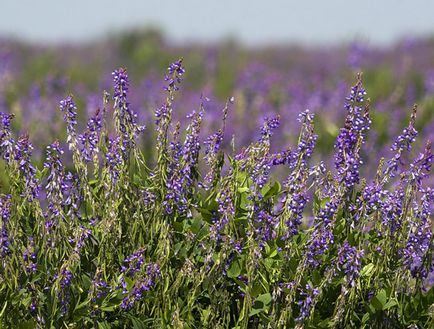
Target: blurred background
(275, 57)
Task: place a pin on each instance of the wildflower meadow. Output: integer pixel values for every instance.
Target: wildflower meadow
(317, 217)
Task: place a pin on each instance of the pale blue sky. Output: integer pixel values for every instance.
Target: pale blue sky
(253, 22)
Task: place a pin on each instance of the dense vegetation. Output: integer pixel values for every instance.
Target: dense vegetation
(119, 225)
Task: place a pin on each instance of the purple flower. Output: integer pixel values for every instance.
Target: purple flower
(295, 198)
(133, 263)
(56, 182)
(125, 118)
(265, 227)
(307, 139)
(65, 279)
(73, 195)
(350, 138)
(22, 156)
(226, 211)
(69, 109)
(5, 214)
(90, 138)
(408, 135)
(421, 166)
(306, 304)
(269, 125)
(164, 113)
(6, 140)
(322, 236)
(182, 167)
(213, 158)
(373, 197)
(420, 238)
(391, 211)
(141, 286)
(349, 261)
(114, 161)
(100, 288)
(174, 76)
(296, 205)
(402, 142)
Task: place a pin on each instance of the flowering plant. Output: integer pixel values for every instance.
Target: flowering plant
(119, 241)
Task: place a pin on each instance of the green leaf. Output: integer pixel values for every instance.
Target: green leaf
(26, 301)
(270, 191)
(108, 308)
(130, 283)
(365, 318)
(81, 305)
(243, 190)
(255, 311)
(379, 301)
(234, 269)
(93, 182)
(264, 298)
(261, 304)
(367, 270)
(390, 303)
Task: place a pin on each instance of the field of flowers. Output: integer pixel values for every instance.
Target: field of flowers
(233, 188)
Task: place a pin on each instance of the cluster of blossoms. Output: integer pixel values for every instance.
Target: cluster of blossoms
(134, 263)
(420, 240)
(408, 135)
(6, 140)
(239, 224)
(226, 211)
(174, 197)
(296, 199)
(349, 261)
(306, 304)
(64, 278)
(265, 225)
(114, 159)
(126, 119)
(69, 109)
(90, 138)
(5, 214)
(19, 153)
(22, 156)
(100, 288)
(391, 212)
(322, 236)
(213, 160)
(183, 166)
(141, 286)
(373, 197)
(262, 159)
(73, 197)
(421, 166)
(213, 154)
(267, 128)
(350, 138)
(402, 142)
(174, 75)
(56, 183)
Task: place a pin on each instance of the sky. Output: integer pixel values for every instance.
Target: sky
(253, 22)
